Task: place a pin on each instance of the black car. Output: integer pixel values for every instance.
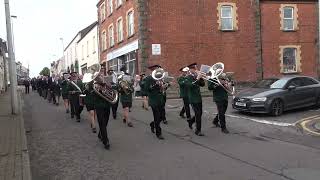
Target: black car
(275, 95)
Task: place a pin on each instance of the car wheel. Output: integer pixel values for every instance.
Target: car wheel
(276, 107)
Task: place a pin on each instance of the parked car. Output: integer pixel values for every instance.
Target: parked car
(276, 95)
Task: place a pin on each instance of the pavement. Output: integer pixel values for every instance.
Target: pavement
(14, 157)
(259, 147)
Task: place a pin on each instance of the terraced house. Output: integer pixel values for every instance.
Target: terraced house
(253, 38)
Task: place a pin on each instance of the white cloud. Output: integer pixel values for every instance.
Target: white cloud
(41, 24)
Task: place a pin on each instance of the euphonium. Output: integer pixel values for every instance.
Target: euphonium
(125, 83)
(101, 84)
(162, 79)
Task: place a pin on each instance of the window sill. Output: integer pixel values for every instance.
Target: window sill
(228, 30)
(109, 15)
(111, 46)
(93, 52)
(286, 30)
(118, 6)
(119, 42)
(290, 72)
(104, 50)
(103, 21)
(131, 36)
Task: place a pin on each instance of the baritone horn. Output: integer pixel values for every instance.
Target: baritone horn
(162, 78)
(101, 84)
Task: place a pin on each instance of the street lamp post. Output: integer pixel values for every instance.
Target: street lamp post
(12, 63)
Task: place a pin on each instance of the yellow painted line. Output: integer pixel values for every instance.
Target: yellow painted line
(303, 124)
(307, 118)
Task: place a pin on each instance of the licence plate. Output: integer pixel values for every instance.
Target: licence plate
(240, 104)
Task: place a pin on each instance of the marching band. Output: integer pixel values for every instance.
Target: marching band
(100, 91)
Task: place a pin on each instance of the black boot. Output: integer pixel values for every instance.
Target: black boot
(152, 127)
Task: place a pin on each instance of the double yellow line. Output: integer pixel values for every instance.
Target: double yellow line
(303, 122)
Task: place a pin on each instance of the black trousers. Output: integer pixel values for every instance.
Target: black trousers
(114, 108)
(103, 119)
(163, 113)
(197, 108)
(220, 117)
(186, 107)
(75, 105)
(156, 110)
(27, 88)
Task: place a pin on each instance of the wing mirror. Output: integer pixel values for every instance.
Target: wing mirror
(291, 87)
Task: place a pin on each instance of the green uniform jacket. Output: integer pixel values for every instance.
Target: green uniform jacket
(156, 98)
(126, 97)
(143, 90)
(219, 94)
(194, 93)
(72, 88)
(183, 87)
(99, 102)
(64, 87)
(89, 99)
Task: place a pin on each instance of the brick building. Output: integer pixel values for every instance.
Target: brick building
(248, 36)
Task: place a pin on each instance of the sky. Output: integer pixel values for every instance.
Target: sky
(41, 23)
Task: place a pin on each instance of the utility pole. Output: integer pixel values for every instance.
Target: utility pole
(12, 63)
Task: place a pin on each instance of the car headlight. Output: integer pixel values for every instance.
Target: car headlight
(259, 99)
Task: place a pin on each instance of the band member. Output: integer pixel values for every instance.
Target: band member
(102, 108)
(184, 93)
(64, 91)
(26, 83)
(57, 90)
(51, 96)
(220, 96)
(156, 101)
(143, 92)
(89, 103)
(194, 82)
(74, 95)
(126, 91)
(114, 82)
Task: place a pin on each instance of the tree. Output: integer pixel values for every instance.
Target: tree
(45, 72)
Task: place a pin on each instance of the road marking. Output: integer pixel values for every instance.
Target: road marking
(307, 118)
(275, 123)
(303, 124)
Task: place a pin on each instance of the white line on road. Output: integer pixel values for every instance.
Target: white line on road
(275, 123)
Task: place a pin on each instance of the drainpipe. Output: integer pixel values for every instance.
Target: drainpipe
(318, 62)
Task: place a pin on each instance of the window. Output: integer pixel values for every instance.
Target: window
(120, 30)
(110, 7)
(227, 16)
(119, 3)
(295, 82)
(130, 20)
(130, 62)
(102, 12)
(113, 64)
(87, 48)
(290, 59)
(104, 41)
(111, 36)
(93, 44)
(309, 81)
(289, 17)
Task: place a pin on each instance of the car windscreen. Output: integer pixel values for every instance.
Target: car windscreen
(271, 83)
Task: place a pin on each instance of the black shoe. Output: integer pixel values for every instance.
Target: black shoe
(165, 122)
(67, 111)
(182, 116)
(107, 145)
(225, 130)
(216, 123)
(199, 133)
(152, 127)
(114, 116)
(130, 124)
(72, 116)
(160, 137)
(190, 123)
(124, 121)
(94, 130)
(78, 120)
(99, 136)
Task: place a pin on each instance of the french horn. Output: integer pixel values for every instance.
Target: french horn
(101, 84)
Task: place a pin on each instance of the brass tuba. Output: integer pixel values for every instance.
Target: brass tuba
(101, 84)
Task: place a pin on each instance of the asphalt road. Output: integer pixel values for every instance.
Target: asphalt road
(61, 148)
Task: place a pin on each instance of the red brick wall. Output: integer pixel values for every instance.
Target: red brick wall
(273, 37)
(188, 32)
(118, 12)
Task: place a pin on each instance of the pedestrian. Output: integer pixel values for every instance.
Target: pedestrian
(194, 82)
(220, 97)
(143, 92)
(156, 101)
(114, 106)
(64, 91)
(57, 90)
(74, 93)
(184, 93)
(102, 108)
(89, 103)
(126, 90)
(26, 85)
